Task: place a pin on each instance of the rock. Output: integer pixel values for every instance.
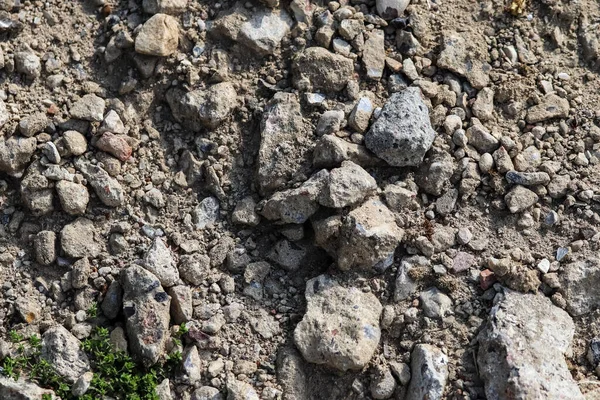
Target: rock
(192, 365)
(481, 139)
(64, 353)
(15, 153)
(390, 9)
(383, 384)
(291, 374)
(434, 174)
(171, 7)
(466, 56)
(552, 106)
(520, 199)
(78, 239)
(107, 188)
(284, 142)
(160, 261)
(181, 303)
(373, 56)
(112, 123)
(483, 107)
(296, 206)
(526, 333)
(360, 115)
(36, 192)
(405, 286)
(402, 134)
(81, 273)
(73, 197)
(28, 63)
(341, 326)
(401, 371)
(289, 256)
(206, 213)
(264, 30)
(317, 69)
(28, 310)
(159, 36)
(4, 114)
(113, 300)
(400, 199)
(238, 390)
(559, 186)
(198, 108)
(51, 153)
(244, 212)
(527, 178)
(146, 308)
(115, 145)
(331, 121)
(590, 41)
(429, 368)
(331, 151)
(346, 186)
(31, 124)
(369, 237)
(435, 303)
(578, 283)
(88, 108)
(44, 245)
(74, 143)
(82, 384)
(207, 393)
(22, 390)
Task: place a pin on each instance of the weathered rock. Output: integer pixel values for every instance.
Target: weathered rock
(405, 285)
(579, 282)
(28, 63)
(113, 300)
(466, 56)
(341, 326)
(4, 114)
(206, 213)
(21, 390)
(402, 134)
(360, 115)
(346, 186)
(31, 124)
(159, 36)
(88, 108)
(207, 393)
(74, 143)
(107, 188)
(181, 303)
(238, 390)
(390, 9)
(198, 108)
(331, 151)
(146, 308)
(435, 303)
(284, 142)
(369, 237)
(434, 174)
(291, 373)
(590, 40)
(44, 245)
(552, 106)
(383, 384)
(429, 368)
(15, 153)
(527, 178)
(481, 139)
(36, 191)
(331, 121)
(520, 199)
(522, 348)
(264, 30)
(373, 56)
(400, 198)
(171, 7)
(317, 68)
(64, 353)
(244, 212)
(160, 261)
(78, 239)
(115, 145)
(73, 197)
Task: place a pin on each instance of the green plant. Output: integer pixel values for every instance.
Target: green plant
(92, 312)
(15, 336)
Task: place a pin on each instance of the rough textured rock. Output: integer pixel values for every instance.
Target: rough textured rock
(107, 188)
(78, 239)
(15, 153)
(578, 285)
(21, 390)
(265, 30)
(390, 9)
(44, 245)
(63, 351)
(146, 307)
(429, 370)
(73, 197)
(160, 261)
(373, 57)
(159, 36)
(466, 56)
(552, 106)
(89, 108)
(171, 7)
(520, 199)
(402, 134)
(522, 348)
(347, 186)
(317, 69)
(341, 326)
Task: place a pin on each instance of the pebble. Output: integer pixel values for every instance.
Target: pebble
(159, 36)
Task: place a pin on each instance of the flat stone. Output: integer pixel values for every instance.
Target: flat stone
(373, 56)
(172, 7)
(467, 56)
(361, 115)
(107, 188)
(481, 139)
(348, 185)
(578, 284)
(429, 368)
(527, 178)
(264, 31)
(159, 36)
(88, 108)
(160, 261)
(78, 239)
(21, 389)
(552, 106)
(317, 68)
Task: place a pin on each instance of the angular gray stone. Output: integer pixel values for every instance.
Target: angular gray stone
(15, 153)
(78, 239)
(181, 303)
(402, 134)
(44, 245)
(31, 124)
(264, 30)
(317, 69)
(171, 7)
(341, 326)
(206, 213)
(159, 36)
(73, 197)
(579, 282)
(160, 261)
(330, 122)
(4, 114)
(331, 151)
(28, 63)
(373, 56)
(361, 114)
(429, 367)
(64, 353)
(405, 286)
(522, 348)
(346, 186)
(435, 304)
(520, 199)
(390, 9)
(108, 189)
(238, 390)
(21, 390)
(113, 300)
(481, 139)
(552, 106)
(146, 308)
(467, 56)
(88, 108)
(207, 393)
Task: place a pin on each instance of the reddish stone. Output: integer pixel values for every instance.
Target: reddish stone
(486, 279)
(114, 145)
(462, 262)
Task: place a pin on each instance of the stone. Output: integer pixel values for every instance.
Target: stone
(112, 123)
(113, 300)
(74, 143)
(466, 56)
(51, 153)
(171, 7)
(64, 353)
(317, 69)
(373, 56)
(368, 238)
(28, 310)
(361, 114)
(462, 261)
(181, 303)
(244, 212)
(527, 178)
(528, 160)
(559, 186)
(434, 174)
(44, 245)
(383, 384)
(552, 106)
(330, 122)
(108, 189)
(264, 30)
(405, 286)
(390, 9)
(82, 384)
(88, 108)
(16, 153)
(578, 281)
(30, 125)
(203, 108)
(206, 213)
(238, 390)
(207, 393)
(21, 389)
(146, 307)
(160, 261)
(36, 191)
(483, 107)
(400, 199)
(115, 145)
(284, 142)
(289, 256)
(341, 326)
(402, 134)
(330, 151)
(502, 160)
(73, 197)
(192, 365)
(28, 63)
(520, 199)
(163, 390)
(4, 114)
(346, 186)
(435, 304)
(429, 370)
(159, 36)
(78, 239)
(481, 139)
(522, 349)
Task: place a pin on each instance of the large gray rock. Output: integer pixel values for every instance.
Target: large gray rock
(341, 326)
(369, 237)
(402, 134)
(579, 286)
(63, 351)
(78, 239)
(265, 30)
(108, 189)
(551, 106)
(21, 390)
(159, 36)
(284, 142)
(466, 54)
(522, 348)
(15, 153)
(429, 370)
(390, 9)
(160, 261)
(348, 185)
(146, 307)
(318, 69)
(88, 108)
(198, 108)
